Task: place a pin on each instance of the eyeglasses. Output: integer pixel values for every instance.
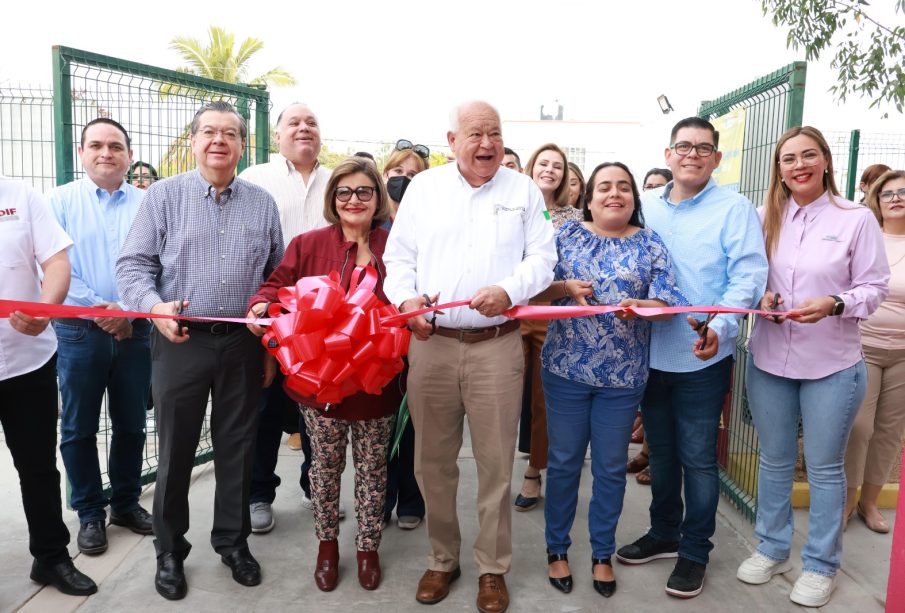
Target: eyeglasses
(421, 150)
(702, 149)
(889, 196)
(808, 158)
(228, 134)
(648, 186)
(344, 194)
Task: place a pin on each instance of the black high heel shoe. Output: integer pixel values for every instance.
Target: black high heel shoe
(563, 584)
(604, 588)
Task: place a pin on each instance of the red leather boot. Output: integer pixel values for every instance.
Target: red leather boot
(368, 569)
(326, 573)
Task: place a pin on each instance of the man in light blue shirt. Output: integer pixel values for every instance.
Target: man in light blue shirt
(715, 239)
(105, 353)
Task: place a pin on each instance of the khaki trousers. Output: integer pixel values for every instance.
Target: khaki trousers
(447, 381)
(877, 433)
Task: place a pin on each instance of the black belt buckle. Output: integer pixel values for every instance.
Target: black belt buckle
(220, 327)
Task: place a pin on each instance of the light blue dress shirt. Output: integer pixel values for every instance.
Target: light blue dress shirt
(717, 248)
(98, 223)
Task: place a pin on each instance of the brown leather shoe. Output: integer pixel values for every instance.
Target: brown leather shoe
(493, 597)
(368, 569)
(434, 585)
(326, 573)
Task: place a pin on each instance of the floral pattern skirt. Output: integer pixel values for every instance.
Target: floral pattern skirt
(370, 440)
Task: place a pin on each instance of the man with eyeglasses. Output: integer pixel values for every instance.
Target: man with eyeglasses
(201, 245)
(297, 182)
(714, 237)
(468, 230)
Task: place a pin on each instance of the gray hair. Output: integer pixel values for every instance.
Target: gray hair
(457, 110)
(220, 106)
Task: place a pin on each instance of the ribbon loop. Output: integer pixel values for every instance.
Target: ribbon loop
(331, 343)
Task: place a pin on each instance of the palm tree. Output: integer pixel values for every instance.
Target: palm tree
(220, 60)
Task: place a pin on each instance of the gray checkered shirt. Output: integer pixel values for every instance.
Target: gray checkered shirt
(185, 245)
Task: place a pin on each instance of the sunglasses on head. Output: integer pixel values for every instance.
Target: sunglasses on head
(421, 150)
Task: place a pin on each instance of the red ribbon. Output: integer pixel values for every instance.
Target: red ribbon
(331, 344)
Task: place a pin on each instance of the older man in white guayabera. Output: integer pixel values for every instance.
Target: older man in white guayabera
(469, 229)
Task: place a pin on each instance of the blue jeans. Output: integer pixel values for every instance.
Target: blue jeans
(90, 362)
(577, 414)
(827, 408)
(681, 412)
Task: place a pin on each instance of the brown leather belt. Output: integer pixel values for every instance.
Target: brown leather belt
(476, 335)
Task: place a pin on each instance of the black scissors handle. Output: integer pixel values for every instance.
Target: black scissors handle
(701, 327)
(773, 306)
(433, 320)
(179, 322)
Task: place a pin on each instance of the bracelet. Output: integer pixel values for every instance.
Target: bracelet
(565, 294)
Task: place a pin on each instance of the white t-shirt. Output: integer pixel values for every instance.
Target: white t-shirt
(29, 233)
(301, 206)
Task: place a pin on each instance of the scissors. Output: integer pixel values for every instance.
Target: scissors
(701, 327)
(773, 306)
(433, 320)
(179, 322)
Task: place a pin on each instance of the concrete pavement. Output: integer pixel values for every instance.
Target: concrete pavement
(125, 573)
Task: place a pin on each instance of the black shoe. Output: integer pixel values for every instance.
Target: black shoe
(92, 538)
(604, 588)
(645, 549)
(64, 576)
(523, 503)
(563, 584)
(246, 569)
(687, 579)
(170, 578)
(137, 520)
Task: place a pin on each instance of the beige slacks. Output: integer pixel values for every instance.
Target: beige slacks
(447, 381)
(877, 433)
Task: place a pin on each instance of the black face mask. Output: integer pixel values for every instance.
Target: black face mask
(396, 187)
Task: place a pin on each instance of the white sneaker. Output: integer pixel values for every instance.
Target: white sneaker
(308, 504)
(812, 589)
(408, 522)
(261, 517)
(759, 569)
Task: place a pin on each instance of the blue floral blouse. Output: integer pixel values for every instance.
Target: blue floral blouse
(602, 350)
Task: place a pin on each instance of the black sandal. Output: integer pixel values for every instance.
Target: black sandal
(523, 503)
(563, 584)
(604, 588)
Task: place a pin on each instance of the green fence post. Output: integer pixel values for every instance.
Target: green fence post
(62, 119)
(854, 146)
(795, 108)
(242, 108)
(262, 127)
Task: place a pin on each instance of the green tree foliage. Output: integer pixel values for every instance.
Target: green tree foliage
(869, 55)
(217, 59)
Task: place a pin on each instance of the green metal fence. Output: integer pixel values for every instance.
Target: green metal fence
(155, 106)
(854, 151)
(40, 129)
(26, 135)
(772, 104)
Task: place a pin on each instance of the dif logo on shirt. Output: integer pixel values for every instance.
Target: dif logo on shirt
(8, 215)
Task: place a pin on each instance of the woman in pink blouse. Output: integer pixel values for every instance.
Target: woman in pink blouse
(828, 271)
(877, 434)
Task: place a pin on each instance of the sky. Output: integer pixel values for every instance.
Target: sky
(380, 71)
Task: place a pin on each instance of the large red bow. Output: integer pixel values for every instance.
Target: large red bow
(331, 344)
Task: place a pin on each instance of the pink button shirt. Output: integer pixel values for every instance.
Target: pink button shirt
(825, 248)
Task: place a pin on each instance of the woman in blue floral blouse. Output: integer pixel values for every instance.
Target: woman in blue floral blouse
(595, 368)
